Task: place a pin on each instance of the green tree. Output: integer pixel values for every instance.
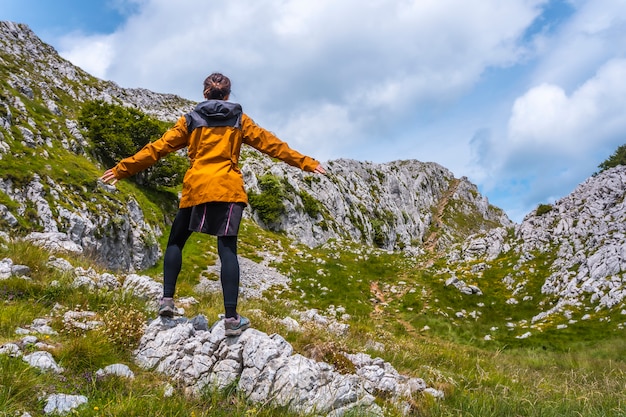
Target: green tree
(618, 158)
(116, 132)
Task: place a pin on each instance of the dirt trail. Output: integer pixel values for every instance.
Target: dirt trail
(381, 299)
(381, 303)
(430, 243)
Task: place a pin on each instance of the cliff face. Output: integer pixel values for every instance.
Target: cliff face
(406, 205)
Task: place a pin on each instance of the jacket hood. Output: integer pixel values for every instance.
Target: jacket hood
(218, 109)
(212, 113)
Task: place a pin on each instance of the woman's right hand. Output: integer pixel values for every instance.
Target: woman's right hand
(108, 176)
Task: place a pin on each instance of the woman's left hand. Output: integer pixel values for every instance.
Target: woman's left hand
(319, 169)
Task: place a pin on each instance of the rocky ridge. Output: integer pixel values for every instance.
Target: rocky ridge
(391, 205)
(585, 233)
(37, 71)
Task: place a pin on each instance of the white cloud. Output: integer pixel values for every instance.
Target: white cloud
(547, 120)
(595, 34)
(321, 130)
(91, 53)
(297, 50)
(567, 120)
(556, 140)
(382, 65)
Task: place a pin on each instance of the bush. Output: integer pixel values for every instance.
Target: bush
(543, 209)
(312, 207)
(124, 330)
(269, 203)
(379, 235)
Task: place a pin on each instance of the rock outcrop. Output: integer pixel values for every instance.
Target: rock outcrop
(266, 369)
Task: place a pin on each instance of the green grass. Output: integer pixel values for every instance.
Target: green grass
(578, 370)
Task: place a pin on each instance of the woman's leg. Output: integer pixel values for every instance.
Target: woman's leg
(229, 275)
(173, 259)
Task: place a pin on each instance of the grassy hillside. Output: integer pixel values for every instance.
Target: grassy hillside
(428, 330)
(391, 301)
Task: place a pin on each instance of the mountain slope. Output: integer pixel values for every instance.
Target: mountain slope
(49, 182)
(564, 257)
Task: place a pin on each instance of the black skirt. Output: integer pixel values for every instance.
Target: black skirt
(217, 219)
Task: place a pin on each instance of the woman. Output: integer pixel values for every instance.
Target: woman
(213, 195)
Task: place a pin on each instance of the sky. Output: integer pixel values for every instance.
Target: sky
(525, 98)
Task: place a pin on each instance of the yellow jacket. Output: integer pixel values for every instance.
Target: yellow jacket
(213, 134)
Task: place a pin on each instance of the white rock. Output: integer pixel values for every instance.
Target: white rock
(117, 369)
(63, 403)
(43, 361)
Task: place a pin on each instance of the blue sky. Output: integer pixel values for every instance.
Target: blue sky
(523, 97)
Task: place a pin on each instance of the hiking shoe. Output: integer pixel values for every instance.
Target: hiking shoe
(233, 326)
(166, 307)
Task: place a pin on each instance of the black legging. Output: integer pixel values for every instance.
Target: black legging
(226, 249)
